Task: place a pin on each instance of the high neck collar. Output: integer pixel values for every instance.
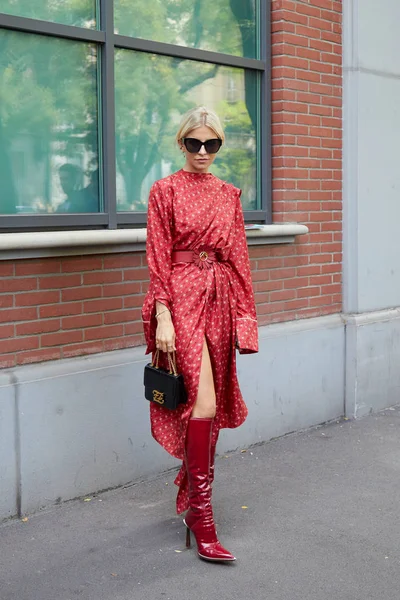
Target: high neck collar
(195, 175)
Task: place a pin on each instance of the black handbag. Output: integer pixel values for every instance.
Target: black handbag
(163, 387)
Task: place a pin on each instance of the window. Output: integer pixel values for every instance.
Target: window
(91, 94)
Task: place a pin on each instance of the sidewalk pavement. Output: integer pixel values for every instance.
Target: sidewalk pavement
(313, 515)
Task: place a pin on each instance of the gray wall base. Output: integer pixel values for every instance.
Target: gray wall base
(372, 362)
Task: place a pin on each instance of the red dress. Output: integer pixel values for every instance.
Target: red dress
(215, 300)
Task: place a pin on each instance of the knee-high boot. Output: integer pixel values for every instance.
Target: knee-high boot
(199, 518)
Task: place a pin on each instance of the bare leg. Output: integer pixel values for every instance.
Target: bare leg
(205, 405)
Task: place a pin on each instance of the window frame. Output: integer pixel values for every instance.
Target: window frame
(108, 41)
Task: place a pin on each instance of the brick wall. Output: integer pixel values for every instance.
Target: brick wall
(58, 308)
(307, 160)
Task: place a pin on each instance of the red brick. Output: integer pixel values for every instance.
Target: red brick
(103, 304)
(297, 304)
(320, 67)
(321, 24)
(270, 307)
(81, 321)
(320, 300)
(82, 349)
(6, 269)
(120, 316)
(308, 292)
(295, 282)
(6, 331)
(36, 298)
(307, 9)
(308, 141)
(100, 277)
(6, 301)
(17, 344)
(7, 361)
(84, 263)
(132, 328)
(61, 338)
(282, 273)
(134, 301)
(320, 280)
(121, 289)
(36, 327)
(308, 185)
(60, 310)
(132, 274)
(125, 342)
(282, 26)
(282, 295)
(308, 270)
(260, 275)
(295, 17)
(81, 293)
(323, 46)
(36, 356)
(322, 111)
(12, 315)
(266, 286)
(38, 267)
(270, 262)
(326, 4)
(307, 32)
(59, 281)
(107, 331)
(335, 38)
(121, 261)
(308, 76)
(308, 54)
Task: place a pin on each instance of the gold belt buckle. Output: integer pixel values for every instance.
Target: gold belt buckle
(203, 255)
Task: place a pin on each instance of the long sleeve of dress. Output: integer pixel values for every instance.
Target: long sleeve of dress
(246, 318)
(158, 253)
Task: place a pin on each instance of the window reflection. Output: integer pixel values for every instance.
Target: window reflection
(227, 26)
(68, 12)
(48, 125)
(152, 92)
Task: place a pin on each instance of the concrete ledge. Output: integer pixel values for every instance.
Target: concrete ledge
(66, 243)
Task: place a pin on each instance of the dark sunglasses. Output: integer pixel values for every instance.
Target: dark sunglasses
(211, 146)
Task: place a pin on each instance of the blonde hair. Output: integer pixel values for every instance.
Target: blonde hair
(200, 117)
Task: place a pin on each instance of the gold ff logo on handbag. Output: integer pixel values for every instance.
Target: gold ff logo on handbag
(158, 397)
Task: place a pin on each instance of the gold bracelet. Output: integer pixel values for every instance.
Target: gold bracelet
(160, 313)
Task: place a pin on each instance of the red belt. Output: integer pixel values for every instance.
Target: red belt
(203, 257)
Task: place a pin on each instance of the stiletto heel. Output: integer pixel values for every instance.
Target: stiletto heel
(188, 541)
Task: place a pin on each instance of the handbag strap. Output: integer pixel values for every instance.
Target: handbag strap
(171, 362)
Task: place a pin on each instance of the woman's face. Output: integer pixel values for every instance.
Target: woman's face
(200, 161)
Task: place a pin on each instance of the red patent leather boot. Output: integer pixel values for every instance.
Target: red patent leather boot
(213, 448)
(199, 518)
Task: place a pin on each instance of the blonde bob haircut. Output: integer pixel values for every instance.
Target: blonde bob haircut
(200, 117)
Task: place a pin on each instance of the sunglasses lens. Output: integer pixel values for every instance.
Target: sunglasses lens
(212, 146)
(192, 145)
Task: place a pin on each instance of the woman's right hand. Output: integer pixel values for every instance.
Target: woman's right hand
(165, 333)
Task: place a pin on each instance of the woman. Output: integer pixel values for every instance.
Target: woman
(200, 303)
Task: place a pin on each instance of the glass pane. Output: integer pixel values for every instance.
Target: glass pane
(152, 92)
(227, 26)
(48, 125)
(81, 13)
